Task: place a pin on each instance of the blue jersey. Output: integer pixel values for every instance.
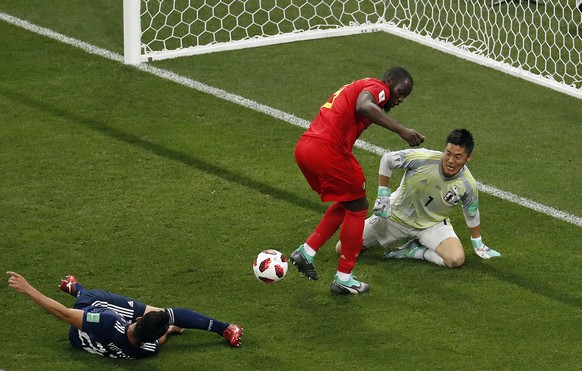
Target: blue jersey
(105, 320)
(128, 308)
(104, 333)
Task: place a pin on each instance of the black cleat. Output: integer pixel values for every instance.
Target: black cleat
(300, 260)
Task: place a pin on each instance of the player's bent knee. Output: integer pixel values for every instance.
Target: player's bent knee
(456, 261)
(452, 252)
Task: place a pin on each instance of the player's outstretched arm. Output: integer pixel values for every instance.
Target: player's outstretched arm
(367, 107)
(482, 250)
(74, 317)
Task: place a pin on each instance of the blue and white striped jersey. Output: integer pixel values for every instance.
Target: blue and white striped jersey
(104, 333)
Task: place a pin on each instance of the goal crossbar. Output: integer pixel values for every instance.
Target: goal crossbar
(260, 41)
(532, 42)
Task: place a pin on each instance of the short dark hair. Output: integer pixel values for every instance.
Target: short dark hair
(152, 326)
(399, 75)
(462, 138)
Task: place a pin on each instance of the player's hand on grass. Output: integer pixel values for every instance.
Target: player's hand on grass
(487, 253)
(18, 283)
(483, 250)
(382, 205)
(173, 329)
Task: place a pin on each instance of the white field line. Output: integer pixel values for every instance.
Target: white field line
(270, 111)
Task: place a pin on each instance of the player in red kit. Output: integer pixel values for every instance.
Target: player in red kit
(324, 155)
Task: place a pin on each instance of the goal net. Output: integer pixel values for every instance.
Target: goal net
(541, 42)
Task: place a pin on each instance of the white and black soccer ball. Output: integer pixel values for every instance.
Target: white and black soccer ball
(270, 266)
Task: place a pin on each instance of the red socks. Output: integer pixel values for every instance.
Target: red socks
(351, 238)
(329, 224)
(352, 228)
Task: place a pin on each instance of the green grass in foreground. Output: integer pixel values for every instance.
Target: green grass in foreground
(146, 188)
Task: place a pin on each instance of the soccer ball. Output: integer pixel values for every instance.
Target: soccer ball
(270, 266)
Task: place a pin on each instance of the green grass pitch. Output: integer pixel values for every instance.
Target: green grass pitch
(148, 188)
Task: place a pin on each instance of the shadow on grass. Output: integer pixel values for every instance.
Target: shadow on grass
(535, 287)
(484, 267)
(162, 151)
(238, 178)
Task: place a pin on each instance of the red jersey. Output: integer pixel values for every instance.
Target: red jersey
(338, 121)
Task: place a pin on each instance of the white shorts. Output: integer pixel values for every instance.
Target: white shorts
(382, 232)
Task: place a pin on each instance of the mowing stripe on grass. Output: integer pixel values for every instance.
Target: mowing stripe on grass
(270, 111)
(61, 38)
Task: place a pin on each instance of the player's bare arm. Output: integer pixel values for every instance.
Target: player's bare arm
(367, 107)
(383, 180)
(150, 308)
(475, 232)
(171, 330)
(74, 317)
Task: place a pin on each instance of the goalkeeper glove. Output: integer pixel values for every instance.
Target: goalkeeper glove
(482, 250)
(382, 204)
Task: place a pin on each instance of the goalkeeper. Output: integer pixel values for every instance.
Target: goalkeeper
(433, 183)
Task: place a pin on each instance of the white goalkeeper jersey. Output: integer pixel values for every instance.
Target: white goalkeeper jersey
(425, 196)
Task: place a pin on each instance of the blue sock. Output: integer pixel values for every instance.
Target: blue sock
(187, 318)
(78, 288)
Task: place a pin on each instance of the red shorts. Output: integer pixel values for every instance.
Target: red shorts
(333, 174)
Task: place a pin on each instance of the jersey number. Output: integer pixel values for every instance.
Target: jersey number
(329, 104)
(429, 201)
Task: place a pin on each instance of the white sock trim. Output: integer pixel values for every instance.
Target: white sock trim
(308, 250)
(343, 276)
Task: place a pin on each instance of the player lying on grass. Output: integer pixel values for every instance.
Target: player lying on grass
(432, 185)
(116, 326)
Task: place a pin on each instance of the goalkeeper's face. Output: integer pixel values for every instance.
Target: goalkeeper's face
(453, 160)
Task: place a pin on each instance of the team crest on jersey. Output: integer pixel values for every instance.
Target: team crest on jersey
(452, 197)
(381, 96)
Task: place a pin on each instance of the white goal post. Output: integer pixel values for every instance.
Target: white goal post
(540, 42)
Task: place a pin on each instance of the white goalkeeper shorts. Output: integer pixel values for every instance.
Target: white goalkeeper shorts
(382, 232)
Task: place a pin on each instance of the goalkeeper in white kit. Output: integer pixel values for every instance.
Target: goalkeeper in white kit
(432, 185)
